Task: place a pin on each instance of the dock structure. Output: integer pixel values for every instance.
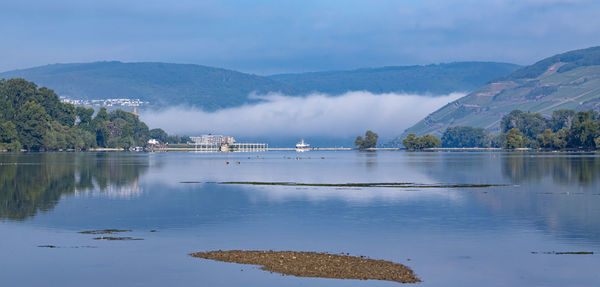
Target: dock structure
(220, 143)
(249, 147)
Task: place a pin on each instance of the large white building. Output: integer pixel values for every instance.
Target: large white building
(212, 139)
(215, 143)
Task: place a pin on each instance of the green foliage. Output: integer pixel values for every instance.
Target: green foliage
(175, 139)
(566, 129)
(531, 124)
(410, 142)
(562, 119)
(159, 135)
(413, 142)
(497, 141)
(464, 137)
(515, 139)
(124, 130)
(9, 138)
(551, 140)
(35, 119)
(84, 116)
(585, 130)
(578, 130)
(370, 140)
(32, 125)
(428, 141)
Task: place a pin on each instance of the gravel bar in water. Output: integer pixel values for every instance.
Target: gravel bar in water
(312, 264)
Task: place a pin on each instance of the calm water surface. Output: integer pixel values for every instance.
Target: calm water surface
(448, 236)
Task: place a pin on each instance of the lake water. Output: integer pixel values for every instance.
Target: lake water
(486, 236)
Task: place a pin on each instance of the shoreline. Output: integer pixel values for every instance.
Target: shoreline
(436, 149)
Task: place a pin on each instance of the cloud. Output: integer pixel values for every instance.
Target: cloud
(267, 37)
(316, 115)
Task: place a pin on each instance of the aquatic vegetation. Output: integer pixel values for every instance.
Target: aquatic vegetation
(104, 231)
(313, 264)
(565, 252)
(116, 238)
(53, 246)
(371, 184)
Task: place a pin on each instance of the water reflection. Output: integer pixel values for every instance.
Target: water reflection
(562, 169)
(369, 159)
(35, 182)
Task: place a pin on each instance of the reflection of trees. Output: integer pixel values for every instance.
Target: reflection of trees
(33, 182)
(561, 169)
(369, 158)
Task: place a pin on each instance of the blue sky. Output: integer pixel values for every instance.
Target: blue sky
(266, 37)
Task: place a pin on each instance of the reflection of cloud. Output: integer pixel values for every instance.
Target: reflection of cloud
(315, 115)
(204, 170)
(129, 191)
(353, 195)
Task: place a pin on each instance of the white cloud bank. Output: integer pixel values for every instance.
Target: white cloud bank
(317, 115)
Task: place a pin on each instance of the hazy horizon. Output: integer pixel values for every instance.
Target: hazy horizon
(325, 119)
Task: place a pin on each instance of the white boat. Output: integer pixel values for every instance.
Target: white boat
(302, 146)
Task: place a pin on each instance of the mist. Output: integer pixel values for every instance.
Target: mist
(279, 118)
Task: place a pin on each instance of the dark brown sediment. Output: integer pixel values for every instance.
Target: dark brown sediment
(116, 238)
(313, 264)
(370, 184)
(104, 231)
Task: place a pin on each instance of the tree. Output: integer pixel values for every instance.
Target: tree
(428, 141)
(410, 141)
(32, 125)
(562, 119)
(37, 119)
(530, 124)
(370, 140)
(515, 139)
(550, 140)
(159, 135)
(9, 138)
(461, 136)
(84, 116)
(413, 142)
(585, 129)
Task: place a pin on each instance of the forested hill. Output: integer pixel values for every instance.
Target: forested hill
(35, 119)
(566, 81)
(158, 83)
(433, 79)
(164, 84)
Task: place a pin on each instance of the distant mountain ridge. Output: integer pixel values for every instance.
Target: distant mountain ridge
(159, 83)
(432, 79)
(165, 84)
(569, 80)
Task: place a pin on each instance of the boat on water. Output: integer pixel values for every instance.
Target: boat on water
(302, 146)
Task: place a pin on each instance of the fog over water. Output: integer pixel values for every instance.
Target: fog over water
(279, 116)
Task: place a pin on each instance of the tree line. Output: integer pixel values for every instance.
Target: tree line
(35, 119)
(565, 129)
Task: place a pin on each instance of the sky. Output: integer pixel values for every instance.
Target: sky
(273, 36)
